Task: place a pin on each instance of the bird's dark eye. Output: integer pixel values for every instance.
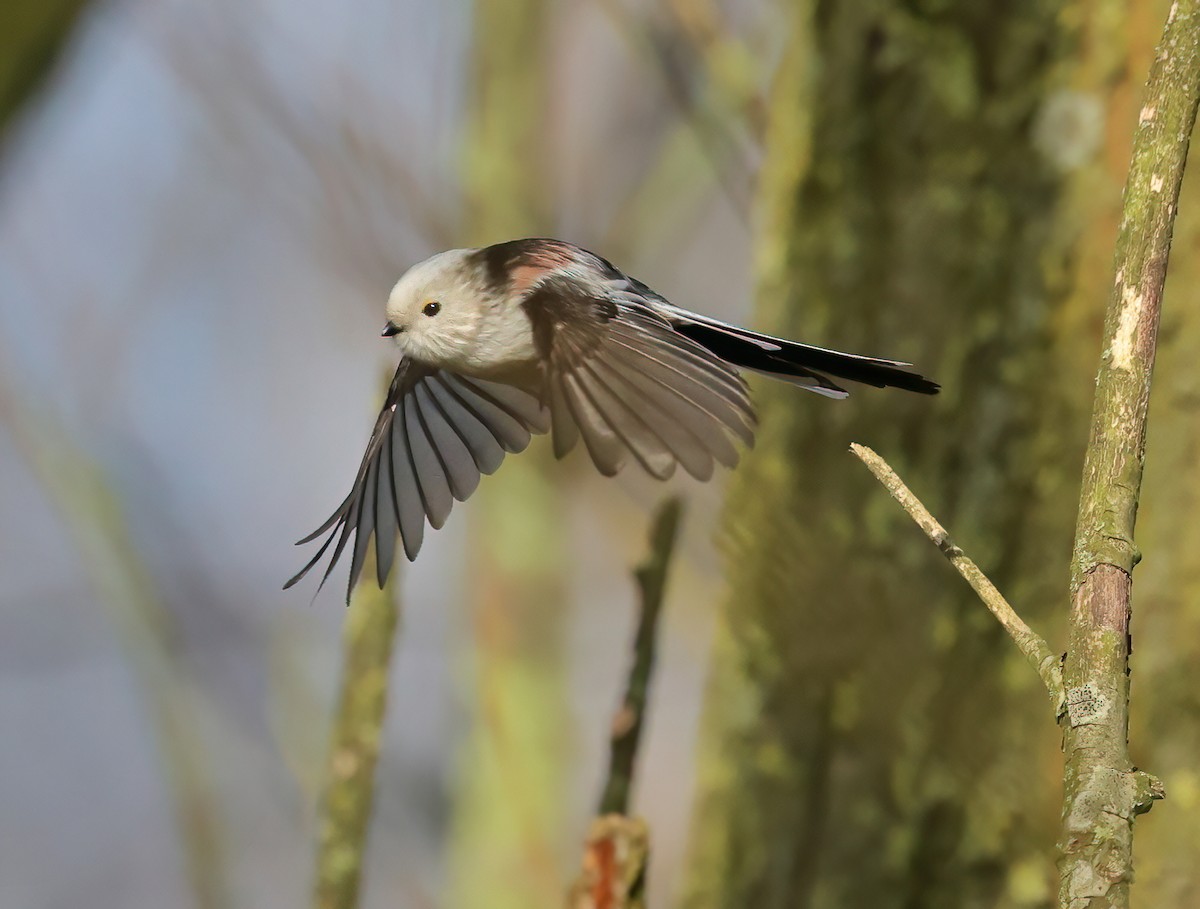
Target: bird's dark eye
(432, 308)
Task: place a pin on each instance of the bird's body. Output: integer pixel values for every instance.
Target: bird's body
(538, 335)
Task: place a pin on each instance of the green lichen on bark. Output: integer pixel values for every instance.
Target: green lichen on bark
(1103, 792)
(874, 744)
(1116, 450)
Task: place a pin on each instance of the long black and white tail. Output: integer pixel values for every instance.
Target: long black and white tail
(800, 364)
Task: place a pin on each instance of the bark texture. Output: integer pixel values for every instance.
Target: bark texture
(1103, 791)
(920, 199)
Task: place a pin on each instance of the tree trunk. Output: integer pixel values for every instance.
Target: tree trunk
(931, 171)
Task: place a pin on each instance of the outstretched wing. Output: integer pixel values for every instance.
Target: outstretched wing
(436, 434)
(618, 374)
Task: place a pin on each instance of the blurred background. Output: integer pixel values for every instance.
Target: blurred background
(202, 209)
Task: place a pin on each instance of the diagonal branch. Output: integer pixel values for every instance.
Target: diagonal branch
(1028, 641)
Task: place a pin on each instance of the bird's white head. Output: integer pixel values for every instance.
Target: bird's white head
(436, 309)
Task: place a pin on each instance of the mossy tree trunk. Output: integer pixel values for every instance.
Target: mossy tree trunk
(878, 739)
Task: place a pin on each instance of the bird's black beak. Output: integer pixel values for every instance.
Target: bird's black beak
(390, 329)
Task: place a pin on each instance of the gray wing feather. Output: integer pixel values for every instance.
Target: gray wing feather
(365, 526)
(622, 377)
(690, 446)
(435, 435)
(522, 406)
(406, 492)
(562, 424)
(386, 527)
(625, 420)
(676, 375)
(485, 448)
(462, 473)
(603, 444)
(700, 373)
(503, 425)
(427, 466)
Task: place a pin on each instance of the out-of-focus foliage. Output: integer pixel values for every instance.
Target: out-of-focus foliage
(511, 773)
(930, 184)
(31, 35)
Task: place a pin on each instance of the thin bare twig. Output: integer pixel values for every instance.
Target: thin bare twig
(651, 578)
(1028, 641)
(618, 846)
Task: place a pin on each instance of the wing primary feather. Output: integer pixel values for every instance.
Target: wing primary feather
(706, 426)
(405, 494)
(686, 354)
(720, 379)
(485, 448)
(365, 528)
(517, 403)
(462, 474)
(427, 467)
(506, 428)
(294, 579)
(669, 413)
(343, 537)
(333, 519)
(387, 527)
(564, 429)
(603, 444)
(737, 415)
(630, 426)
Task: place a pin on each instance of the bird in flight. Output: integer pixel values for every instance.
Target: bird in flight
(537, 335)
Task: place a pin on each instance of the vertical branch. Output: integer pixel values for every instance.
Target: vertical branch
(349, 789)
(618, 846)
(1103, 792)
(507, 850)
(651, 578)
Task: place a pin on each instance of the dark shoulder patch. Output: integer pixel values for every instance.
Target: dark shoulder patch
(502, 261)
(568, 320)
(499, 260)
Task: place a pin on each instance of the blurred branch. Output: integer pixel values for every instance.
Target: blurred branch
(363, 190)
(1029, 642)
(727, 62)
(368, 642)
(31, 36)
(618, 846)
(92, 513)
(505, 837)
(709, 122)
(1103, 792)
(651, 578)
(614, 865)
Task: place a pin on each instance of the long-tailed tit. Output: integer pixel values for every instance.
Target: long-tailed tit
(535, 336)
